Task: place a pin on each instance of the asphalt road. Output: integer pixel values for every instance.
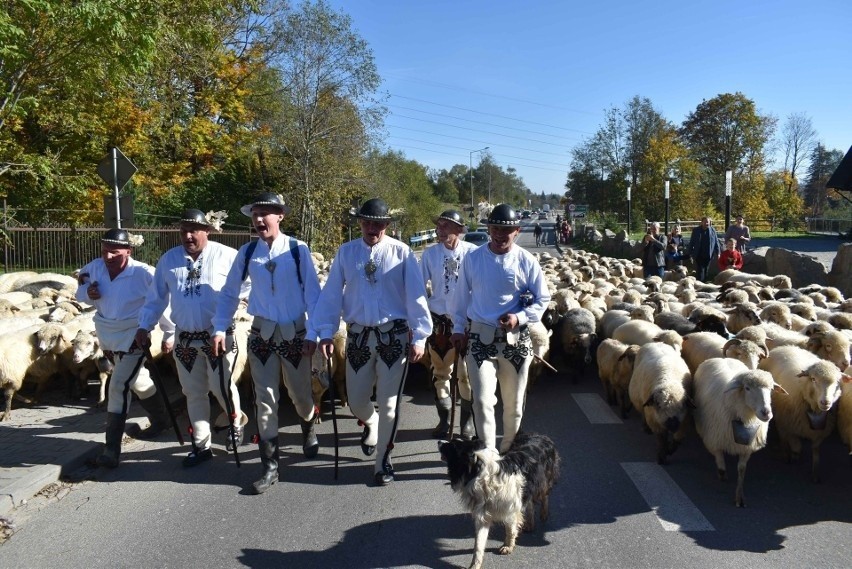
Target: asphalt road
(613, 505)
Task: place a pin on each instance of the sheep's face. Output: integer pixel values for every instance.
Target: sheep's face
(823, 385)
(756, 388)
(84, 345)
(831, 346)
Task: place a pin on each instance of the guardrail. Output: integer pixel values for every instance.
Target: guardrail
(422, 237)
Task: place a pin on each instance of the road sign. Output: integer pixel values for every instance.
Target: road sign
(571, 207)
(118, 164)
(578, 214)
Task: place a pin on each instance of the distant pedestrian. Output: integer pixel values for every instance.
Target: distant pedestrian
(739, 231)
(676, 247)
(653, 251)
(703, 247)
(730, 257)
(537, 230)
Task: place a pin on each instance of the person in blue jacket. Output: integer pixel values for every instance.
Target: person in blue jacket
(703, 247)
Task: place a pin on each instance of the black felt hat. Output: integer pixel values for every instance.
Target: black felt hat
(267, 199)
(120, 237)
(374, 209)
(451, 215)
(503, 215)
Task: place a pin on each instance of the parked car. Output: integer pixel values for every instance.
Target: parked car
(477, 237)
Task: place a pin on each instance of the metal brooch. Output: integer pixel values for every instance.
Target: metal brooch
(370, 270)
(270, 266)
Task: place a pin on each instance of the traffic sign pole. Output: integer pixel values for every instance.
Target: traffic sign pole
(115, 187)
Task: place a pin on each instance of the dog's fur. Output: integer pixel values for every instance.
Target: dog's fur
(504, 488)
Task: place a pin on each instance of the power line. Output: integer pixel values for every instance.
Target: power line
(488, 114)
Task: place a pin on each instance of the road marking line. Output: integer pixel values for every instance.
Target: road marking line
(596, 409)
(673, 509)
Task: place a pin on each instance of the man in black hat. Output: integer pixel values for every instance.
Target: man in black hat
(501, 289)
(187, 280)
(116, 284)
(376, 285)
(440, 265)
(284, 290)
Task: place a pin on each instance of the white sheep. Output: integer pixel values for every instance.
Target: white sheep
(813, 386)
(615, 366)
(611, 320)
(778, 313)
(639, 332)
(86, 347)
(733, 406)
(832, 346)
(21, 361)
(540, 337)
(658, 391)
(741, 316)
(844, 413)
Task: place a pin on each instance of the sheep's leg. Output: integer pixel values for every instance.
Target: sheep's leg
(795, 444)
(479, 544)
(815, 462)
(741, 470)
(104, 377)
(662, 447)
(624, 403)
(7, 412)
(721, 468)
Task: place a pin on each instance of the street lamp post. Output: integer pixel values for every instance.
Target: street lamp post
(472, 152)
(628, 212)
(666, 196)
(728, 179)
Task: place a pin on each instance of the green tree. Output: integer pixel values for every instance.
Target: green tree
(328, 83)
(727, 133)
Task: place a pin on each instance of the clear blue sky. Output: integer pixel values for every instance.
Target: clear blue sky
(532, 79)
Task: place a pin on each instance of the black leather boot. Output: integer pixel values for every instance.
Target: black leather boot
(310, 444)
(443, 429)
(269, 460)
(114, 432)
(468, 428)
(158, 416)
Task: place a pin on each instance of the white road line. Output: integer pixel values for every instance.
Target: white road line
(596, 409)
(671, 506)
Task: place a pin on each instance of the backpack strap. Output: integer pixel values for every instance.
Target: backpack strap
(249, 252)
(294, 251)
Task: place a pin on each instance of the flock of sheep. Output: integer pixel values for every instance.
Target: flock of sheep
(725, 357)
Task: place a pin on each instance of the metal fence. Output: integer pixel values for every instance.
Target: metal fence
(64, 249)
(829, 226)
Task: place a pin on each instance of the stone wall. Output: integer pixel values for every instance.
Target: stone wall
(802, 269)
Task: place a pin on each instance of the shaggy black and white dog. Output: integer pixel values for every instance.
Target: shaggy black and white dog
(502, 489)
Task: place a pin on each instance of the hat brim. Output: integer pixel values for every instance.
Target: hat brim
(117, 243)
(503, 223)
(246, 209)
(439, 218)
(374, 217)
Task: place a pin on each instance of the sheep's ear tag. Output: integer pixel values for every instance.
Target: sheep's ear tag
(743, 434)
(818, 420)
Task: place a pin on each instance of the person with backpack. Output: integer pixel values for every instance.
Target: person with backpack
(284, 291)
